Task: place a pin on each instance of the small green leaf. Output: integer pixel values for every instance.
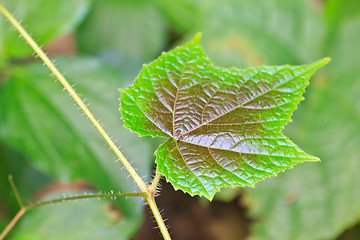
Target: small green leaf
(223, 125)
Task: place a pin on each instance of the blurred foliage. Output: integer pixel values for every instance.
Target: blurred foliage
(126, 34)
(43, 137)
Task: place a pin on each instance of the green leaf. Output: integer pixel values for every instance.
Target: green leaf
(43, 122)
(80, 220)
(124, 33)
(223, 125)
(46, 19)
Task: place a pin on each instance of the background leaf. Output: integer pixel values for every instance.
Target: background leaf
(123, 33)
(249, 33)
(184, 15)
(41, 121)
(224, 124)
(26, 178)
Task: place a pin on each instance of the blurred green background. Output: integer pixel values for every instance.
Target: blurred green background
(100, 45)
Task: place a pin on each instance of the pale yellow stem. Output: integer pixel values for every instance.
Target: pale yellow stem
(12, 223)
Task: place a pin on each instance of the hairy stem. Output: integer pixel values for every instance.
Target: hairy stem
(158, 218)
(100, 195)
(155, 182)
(147, 190)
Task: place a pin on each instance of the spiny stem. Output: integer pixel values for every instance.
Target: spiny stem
(158, 218)
(100, 195)
(155, 182)
(75, 96)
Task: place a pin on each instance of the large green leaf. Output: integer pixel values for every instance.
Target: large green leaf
(124, 33)
(80, 220)
(42, 121)
(223, 125)
(319, 201)
(45, 19)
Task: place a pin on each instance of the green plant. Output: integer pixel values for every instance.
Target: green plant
(224, 125)
(320, 192)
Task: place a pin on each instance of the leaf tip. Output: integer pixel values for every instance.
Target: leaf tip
(327, 59)
(196, 39)
(322, 62)
(311, 158)
(315, 159)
